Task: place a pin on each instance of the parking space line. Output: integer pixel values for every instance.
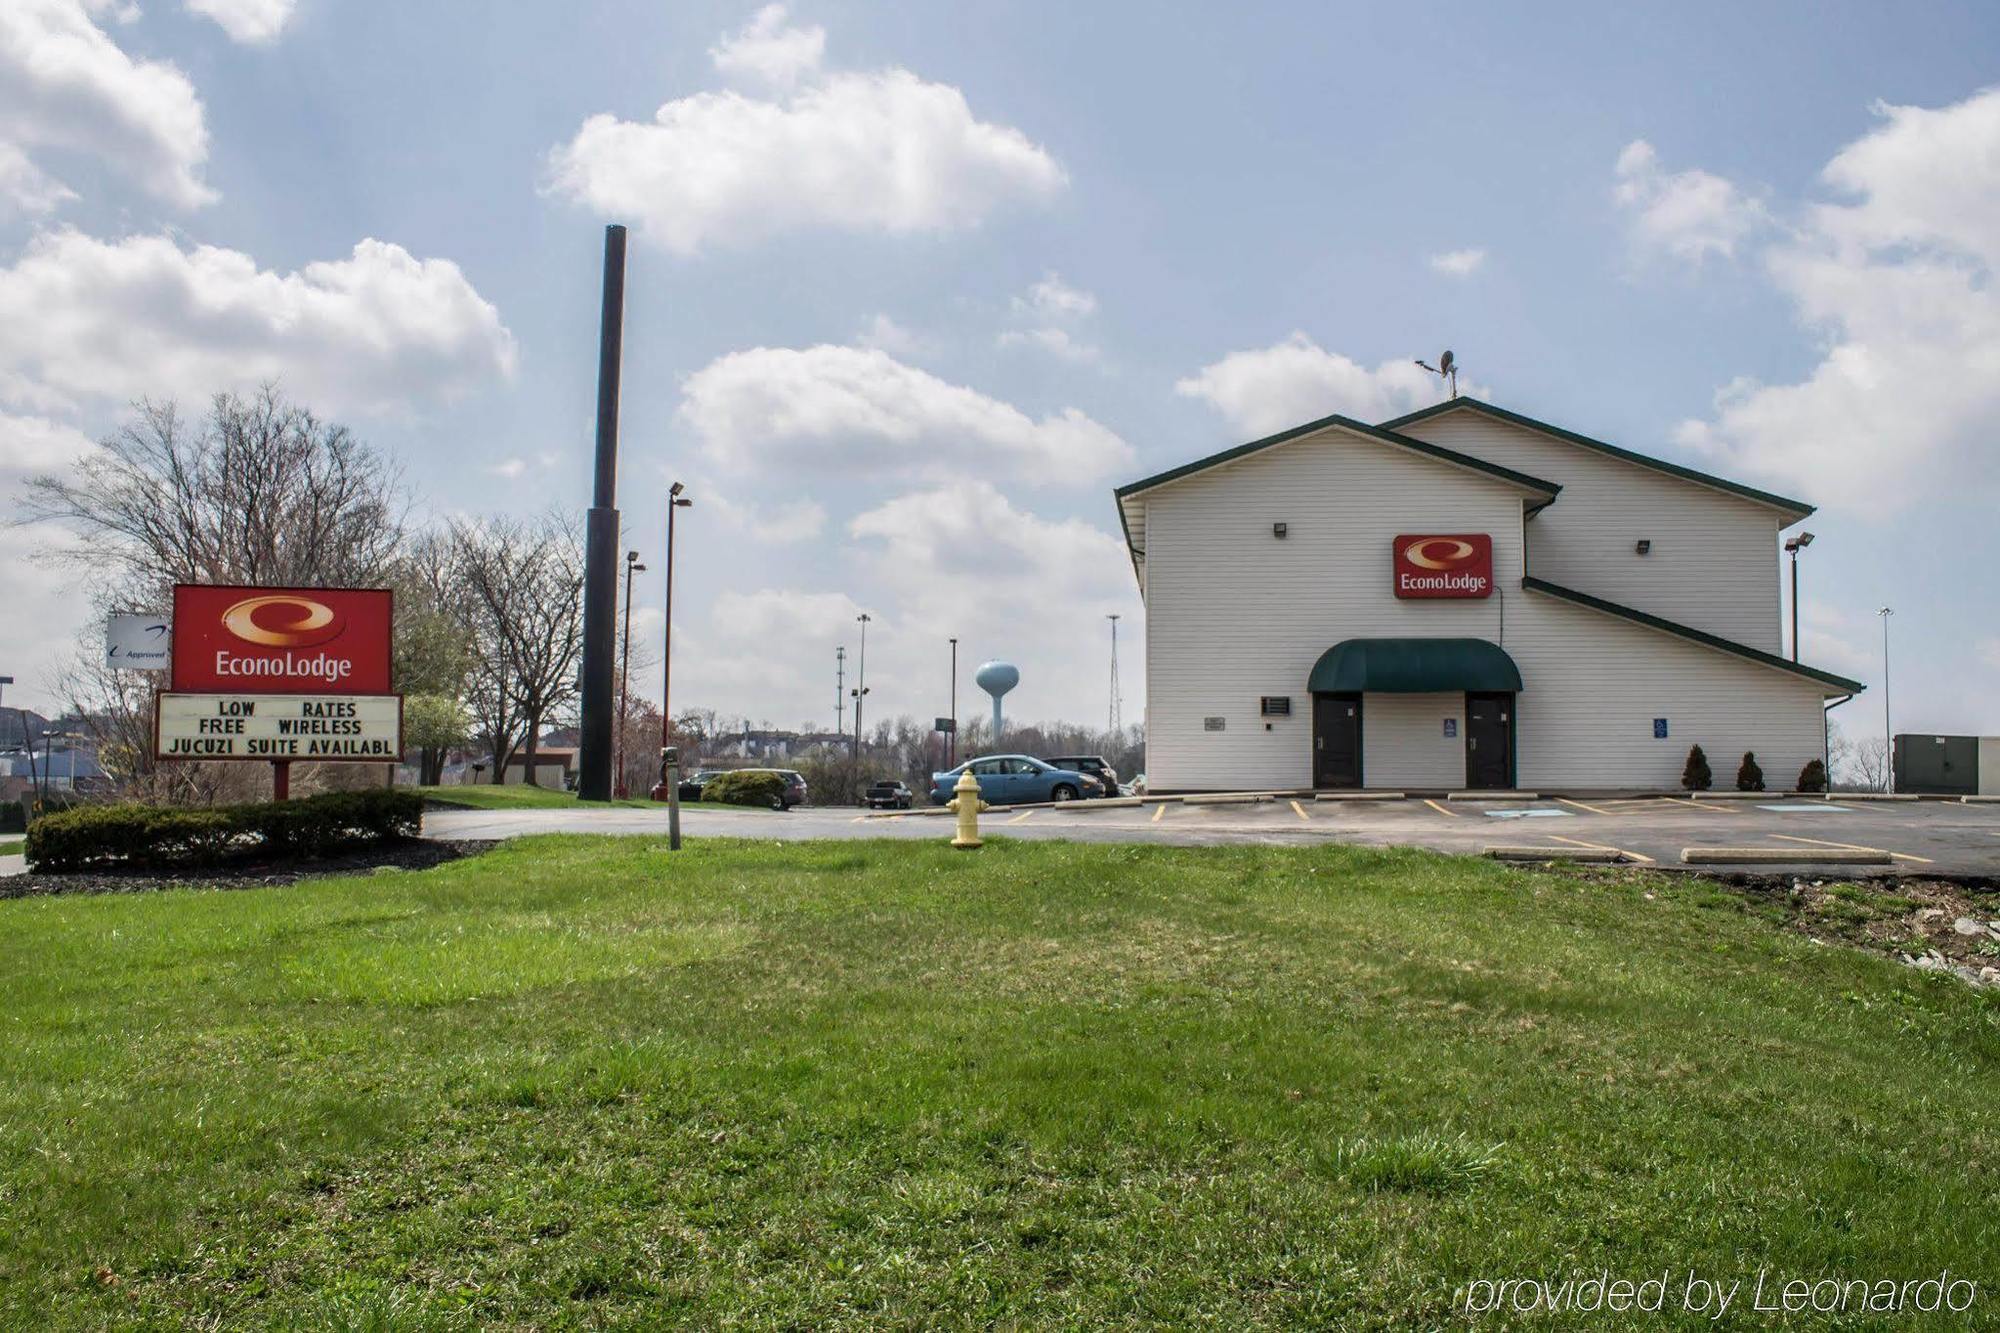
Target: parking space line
(1703, 805)
(1599, 847)
(1855, 847)
(1159, 812)
(1440, 809)
(1023, 815)
(1300, 811)
(1564, 800)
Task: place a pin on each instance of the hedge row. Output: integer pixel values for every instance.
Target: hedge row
(746, 787)
(147, 835)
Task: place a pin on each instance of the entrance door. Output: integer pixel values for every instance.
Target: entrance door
(1489, 741)
(1336, 740)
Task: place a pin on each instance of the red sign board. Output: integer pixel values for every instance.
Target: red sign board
(1452, 565)
(281, 640)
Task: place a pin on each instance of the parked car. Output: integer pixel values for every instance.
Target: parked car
(1095, 766)
(795, 786)
(888, 794)
(1015, 779)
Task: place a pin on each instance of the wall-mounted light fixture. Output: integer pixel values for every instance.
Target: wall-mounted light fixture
(1643, 547)
(1278, 531)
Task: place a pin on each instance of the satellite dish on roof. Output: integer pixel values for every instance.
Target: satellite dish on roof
(1446, 369)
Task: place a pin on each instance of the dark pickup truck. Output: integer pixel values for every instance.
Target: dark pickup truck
(888, 794)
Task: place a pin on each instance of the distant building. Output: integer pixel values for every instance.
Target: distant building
(554, 766)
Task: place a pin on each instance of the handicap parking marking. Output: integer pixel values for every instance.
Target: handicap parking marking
(1527, 814)
(1813, 807)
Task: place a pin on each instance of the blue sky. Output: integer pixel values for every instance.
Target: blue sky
(912, 287)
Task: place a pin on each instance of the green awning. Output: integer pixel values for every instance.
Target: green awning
(1413, 666)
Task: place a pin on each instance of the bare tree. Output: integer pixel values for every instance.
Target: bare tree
(523, 585)
(1857, 765)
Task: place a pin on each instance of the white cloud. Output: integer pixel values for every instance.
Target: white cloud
(886, 335)
(788, 521)
(378, 330)
(251, 21)
(25, 187)
(1988, 651)
(832, 408)
(30, 445)
(769, 50)
(1055, 341)
(869, 152)
(1458, 263)
(1053, 299)
(1897, 281)
(1290, 383)
(970, 527)
(1687, 214)
(65, 85)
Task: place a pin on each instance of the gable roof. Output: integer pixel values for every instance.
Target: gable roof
(1797, 508)
(1129, 507)
(1693, 635)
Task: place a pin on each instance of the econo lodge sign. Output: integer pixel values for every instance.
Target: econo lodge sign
(1452, 565)
(281, 640)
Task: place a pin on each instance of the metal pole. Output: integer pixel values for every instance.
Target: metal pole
(840, 689)
(632, 566)
(860, 684)
(600, 567)
(1795, 603)
(673, 781)
(951, 757)
(1888, 736)
(667, 791)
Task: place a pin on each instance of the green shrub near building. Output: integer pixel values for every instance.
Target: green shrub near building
(747, 787)
(144, 835)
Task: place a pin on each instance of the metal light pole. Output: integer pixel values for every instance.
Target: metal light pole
(1792, 548)
(600, 549)
(1888, 737)
(675, 501)
(840, 689)
(632, 566)
(860, 683)
(951, 741)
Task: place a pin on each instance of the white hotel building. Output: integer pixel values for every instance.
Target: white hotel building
(1321, 612)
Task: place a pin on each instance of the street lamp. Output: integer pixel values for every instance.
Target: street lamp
(1792, 548)
(860, 690)
(632, 566)
(951, 737)
(1888, 738)
(675, 501)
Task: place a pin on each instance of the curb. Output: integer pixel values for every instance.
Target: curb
(1780, 856)
(1359, 796)
(1586, 854)
(1493, 796)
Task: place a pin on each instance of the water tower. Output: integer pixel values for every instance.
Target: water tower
(996, 678)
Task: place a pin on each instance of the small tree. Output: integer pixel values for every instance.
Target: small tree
(433, 724)
(1813, 776)
(1696, 776)
(1749, 777)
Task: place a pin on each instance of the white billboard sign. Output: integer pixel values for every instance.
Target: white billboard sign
(136, 642)
(327, 728)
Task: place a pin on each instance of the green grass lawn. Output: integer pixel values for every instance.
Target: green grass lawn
(12, 846)
(486, 796)
(580, 1081)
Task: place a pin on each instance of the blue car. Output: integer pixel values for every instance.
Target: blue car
(1015, 779)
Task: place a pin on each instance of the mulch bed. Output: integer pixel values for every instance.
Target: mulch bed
(253, 873)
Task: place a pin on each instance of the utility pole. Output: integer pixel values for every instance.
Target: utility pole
(668, 790)
(951, 737)
(861, 682)
(632, 566)
(600, 552)
(840, 689)
(1888, 736)
(1115, 719)
(1792, 547)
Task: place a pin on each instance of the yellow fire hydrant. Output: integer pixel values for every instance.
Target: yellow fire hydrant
(968, 805)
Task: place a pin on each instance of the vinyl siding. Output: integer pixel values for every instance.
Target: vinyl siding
(1403, 742)
(1714, 561)
(1234, 613)
(1989, 765)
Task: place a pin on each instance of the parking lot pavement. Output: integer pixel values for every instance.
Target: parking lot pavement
(1918, 837)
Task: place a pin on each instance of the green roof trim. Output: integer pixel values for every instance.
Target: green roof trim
(1703, 637)
(1521, 479)
(1413, 666)
(1798, 507)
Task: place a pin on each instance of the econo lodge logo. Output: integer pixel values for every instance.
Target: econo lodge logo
(283, 621)
(1451, 565)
